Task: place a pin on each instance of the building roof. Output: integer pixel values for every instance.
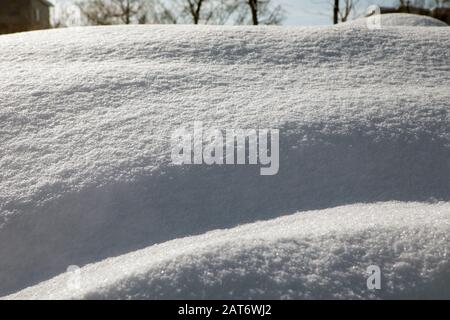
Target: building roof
(47, 3)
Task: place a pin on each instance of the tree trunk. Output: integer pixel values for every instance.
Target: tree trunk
(194, 9)
(197, 12)
(336, 12)
(127, 13)
(254, 8)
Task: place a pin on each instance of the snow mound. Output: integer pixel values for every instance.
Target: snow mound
(318, 254)
(398, 20)
(87, 114)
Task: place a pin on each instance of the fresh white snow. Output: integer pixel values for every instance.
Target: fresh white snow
(316, 254)
(87, 114)
(399, 20)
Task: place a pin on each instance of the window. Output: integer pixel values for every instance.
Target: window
(37, 15)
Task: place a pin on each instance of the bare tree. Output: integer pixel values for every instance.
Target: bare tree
(157, 11)
(207, 11)
(424, 3)
(229, 12)
(254, 10)
(104, 12)
(183, 11)
(342, 12)
(348, 8)
(262, 12)
(194, 7)
(65, 15)
(336, 12)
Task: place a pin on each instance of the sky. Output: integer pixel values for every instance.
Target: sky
(319, 12)
(304, 12)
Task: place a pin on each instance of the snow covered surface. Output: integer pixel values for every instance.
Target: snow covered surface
(316, 254)
(86, 117)
(399, 20)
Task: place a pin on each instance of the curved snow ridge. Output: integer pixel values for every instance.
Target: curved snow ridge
(318, 254)
(87, 115)
(398, 20)
(319, 171)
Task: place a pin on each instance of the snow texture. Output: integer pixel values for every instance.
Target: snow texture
(400, 20)
(86, 117)
(316, 254)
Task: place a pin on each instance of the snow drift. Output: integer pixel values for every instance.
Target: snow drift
(86, 174)
(317, 254)
(399, 20)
